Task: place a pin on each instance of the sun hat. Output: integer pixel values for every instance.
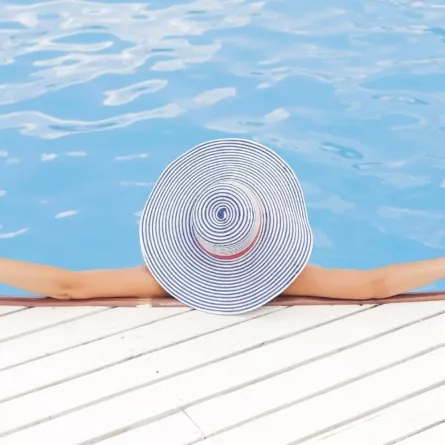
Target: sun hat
(225, 228)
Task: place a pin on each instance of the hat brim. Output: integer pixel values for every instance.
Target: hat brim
(201, 281)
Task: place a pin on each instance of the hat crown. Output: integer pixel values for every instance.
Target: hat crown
(226, 220)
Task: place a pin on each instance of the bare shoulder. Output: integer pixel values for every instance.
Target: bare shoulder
(127, 282)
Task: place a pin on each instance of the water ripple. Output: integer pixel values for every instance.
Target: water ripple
(132, 92)
(49, 127)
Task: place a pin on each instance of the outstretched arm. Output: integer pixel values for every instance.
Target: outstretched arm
(379, 283)
(64, 284)
(314, 281)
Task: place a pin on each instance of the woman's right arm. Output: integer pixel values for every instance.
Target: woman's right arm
(65, 284)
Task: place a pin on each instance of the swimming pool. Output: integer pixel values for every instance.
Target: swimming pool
(98, 97)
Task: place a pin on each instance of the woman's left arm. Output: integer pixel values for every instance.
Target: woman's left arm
(378, 283)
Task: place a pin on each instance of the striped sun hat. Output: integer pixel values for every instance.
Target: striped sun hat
(225, 228)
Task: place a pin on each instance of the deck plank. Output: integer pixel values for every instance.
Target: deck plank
(160, 399)
(330, 410)
(29, 321)
(247, 403)
(58, 338)
(391, 424)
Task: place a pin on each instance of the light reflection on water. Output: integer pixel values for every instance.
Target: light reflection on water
(97, 97)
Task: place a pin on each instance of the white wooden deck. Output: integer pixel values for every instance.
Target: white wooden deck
(279, 376)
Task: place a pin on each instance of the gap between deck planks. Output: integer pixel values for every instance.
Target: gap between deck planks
(5, 310)
(429, 436)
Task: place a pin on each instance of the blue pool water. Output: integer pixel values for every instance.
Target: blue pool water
(96, 98)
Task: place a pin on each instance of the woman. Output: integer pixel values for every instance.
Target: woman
(224, 230)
